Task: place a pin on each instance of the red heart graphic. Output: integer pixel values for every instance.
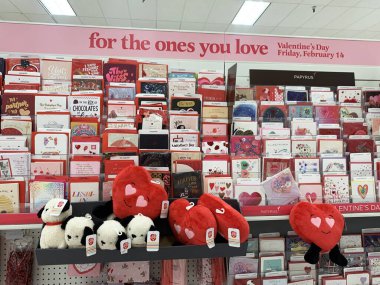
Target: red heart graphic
(307, 269)
(253, 199)
(147, 199)
(222, 188)
(183, 216)
(212, 185)
(77, 146)
(321, 224)
(311, 197)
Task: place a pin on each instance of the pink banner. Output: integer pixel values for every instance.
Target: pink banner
(112, 42)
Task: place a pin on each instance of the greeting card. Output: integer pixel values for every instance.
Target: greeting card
(304, 128)
(334, 165)
(219, 186)
(215, 110)
(353, 95)
(86, 84)
(209, 77)
(187, 184)
(52, 120)
(272, 166)
(246, 167)
(210, 128)
(363, 190)
(162, 176)
(55, 69)
(85, 106)
(270, 93)
(271, 264)
(53, 168)
(212, 166)
(302, 268)
(311, 193)
(300, 111)
(190, 121)
(181, 166)
(372, 98)
(329, 148)
(277, 147)
(16, 126)
(336, 189)
(23, 64)
(350, 241)
(245, 145)
(121, 91)
(250, 195)
(50, 143)
(85, 166)
(281, 189)
(84, 189)
(360, 145)
(245, 109)
(84, 126)
(181, 86)
(322, 96)
(154, 139)
(215, 145)
(244, 94)
(18, 104)
(120, 72)
(154, 88)
(242, 265)
(151, 70)
(186, 103)
(87, 270)
(48, 102)
(304, 148)
(273, 113)
(354, 128)
(184, 138)
(212, 93)
(120, 141)
(244, 128)
(327, 113)
(89, 145)
(121, 109)
(42, 191)
(296, 95)
(361, 169)
(93, 67)
(306, 165)
(155, 159)
(350, 111)
(9, 197)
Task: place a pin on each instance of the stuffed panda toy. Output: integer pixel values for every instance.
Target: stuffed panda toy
(52, 234)
(77, 229)
(109, 234)
(138, 228)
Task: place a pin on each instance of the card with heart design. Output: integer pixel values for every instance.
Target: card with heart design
(88, 270)
(361, 278)
(214, 127)
(219, 186)
(363, 190)
(250, 195)
(246, 167)
(311, 192)
(353, 95)
(361, 169)
(215, 145)
(85, 145)
(327, 114)
(245, 145)
(270, 93)
(304, 148)
(302, 268)
(336, 189)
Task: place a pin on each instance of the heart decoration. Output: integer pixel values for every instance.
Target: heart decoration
(307, 269)
(253, 199)
(141, 202)
(177, 228)
(130, 190)
(222, 188)
(216, 188)
(77, 146)
(363, 190)
(321, 224)
(228, 193)
(363, 280)
(311, 197)
(228, 185)
(84, 268)
(189, 233)
(212, 185)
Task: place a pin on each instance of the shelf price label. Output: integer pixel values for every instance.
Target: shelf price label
(90, 245)
(210, 237)
(125, 245)
(233, 237)
(153, 241)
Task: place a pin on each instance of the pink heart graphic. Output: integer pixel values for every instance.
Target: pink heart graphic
(189, 233)
(84, 268)
(228, 192)
(177, 228)
(330, 222)
(311, 197)
(141, 202)
(316, 221)
(216, 188)
(129, 190)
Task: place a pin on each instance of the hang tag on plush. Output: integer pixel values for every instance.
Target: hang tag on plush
(164, 209)
(58, 207)
(90, 245)
(233, 237)
(153, 241)
(210, 237)
(125, 245)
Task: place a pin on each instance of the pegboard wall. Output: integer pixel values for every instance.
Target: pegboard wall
(47, 275)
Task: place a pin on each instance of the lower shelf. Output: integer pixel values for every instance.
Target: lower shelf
(78, 256)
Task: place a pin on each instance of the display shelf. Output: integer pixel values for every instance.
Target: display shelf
(168, 248)
(19, 220)
(20, 227)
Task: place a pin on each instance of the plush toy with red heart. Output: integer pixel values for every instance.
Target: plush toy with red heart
(321, 225)
(190, 223)
(226, 216)
(133, 193)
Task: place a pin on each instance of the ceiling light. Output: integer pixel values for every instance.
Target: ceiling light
(58, 7)
(250, 12)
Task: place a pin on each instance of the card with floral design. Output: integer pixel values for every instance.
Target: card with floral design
(336, 189)
(334, 165)
(372, 98)
(360, 169)
(277, 147)
(376, 126)
(281, 189)
(311, 192)
(304, 128)
(306, 165)
(245, 167)
(363, 190)
(328, 148)
(304, 148)
(353, 95)
(327, 114)
(300, 111)
(270, 93)
(351, 111)
(245, 145)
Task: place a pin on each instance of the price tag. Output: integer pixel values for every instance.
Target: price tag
(58, 207)
(91, 245)
(210, 236)
(164, 209)
(233, 237)
(153, 241)
(125, 245)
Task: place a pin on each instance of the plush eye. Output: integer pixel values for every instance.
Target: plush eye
(141, 235)
(133, 236)
(69, 236)
(46, 209)
(77, 236)
(129, 229)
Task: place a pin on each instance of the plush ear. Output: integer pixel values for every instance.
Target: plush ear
(103, 211)
(312, 255)
(336, 256)
(64, 223)
(39, 214)
(86, 232)
(152, 228)
(120, 238)
(66, 207)
(126, 221)
(97, 225)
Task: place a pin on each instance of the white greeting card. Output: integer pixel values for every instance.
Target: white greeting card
(277, 147)
(9, 197)
(84, 192)
(336, 189)
(363, 190)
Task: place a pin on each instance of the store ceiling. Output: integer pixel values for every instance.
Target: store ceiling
(333, 18)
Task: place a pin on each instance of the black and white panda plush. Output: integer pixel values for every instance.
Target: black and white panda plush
(52, 234)
(77, 229)
(138, 228)
(109, 234)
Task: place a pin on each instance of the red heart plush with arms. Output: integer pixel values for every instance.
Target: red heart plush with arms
(226, 216)
(321, 225)
(190, 223)
(133, 192)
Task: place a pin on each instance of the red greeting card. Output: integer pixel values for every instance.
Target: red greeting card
(360, 145)
(327, 114)
(354, 128)
(247, 145)
(92, 67)
(270, 93)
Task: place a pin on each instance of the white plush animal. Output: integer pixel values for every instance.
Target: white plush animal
(109, 234)
(52, 234)
(138, 228)
(77, 229)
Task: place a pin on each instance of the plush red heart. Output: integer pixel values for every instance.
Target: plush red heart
(133, 192)
(226, 216)
(190, 223)
(321, 224)
(253, 199)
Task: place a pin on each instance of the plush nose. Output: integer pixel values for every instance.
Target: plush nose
(133, 236)
(69, 236)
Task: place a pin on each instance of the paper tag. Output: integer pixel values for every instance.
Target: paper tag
(210, 237)
(233, 237)
(164, 209)
(125, 244)
(153, 241)
(152, 122)
(91, 245)
(57, 208)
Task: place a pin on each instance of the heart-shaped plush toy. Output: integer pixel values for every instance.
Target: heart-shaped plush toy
(321, 225)
(226, 216)
(190, 223)
(133, 192)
